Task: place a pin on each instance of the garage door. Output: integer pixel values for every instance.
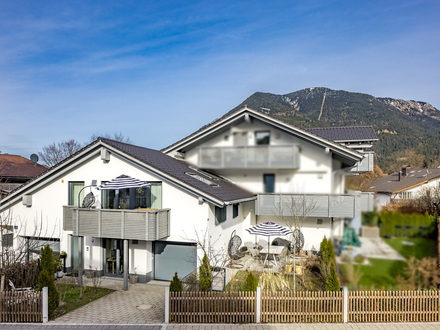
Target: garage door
(172, 257)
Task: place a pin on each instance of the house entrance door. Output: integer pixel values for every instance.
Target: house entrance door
(113, 250)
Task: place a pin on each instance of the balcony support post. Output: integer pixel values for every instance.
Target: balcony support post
(125, 264)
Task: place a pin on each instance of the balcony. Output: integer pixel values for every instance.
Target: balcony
(255, 157)
(147, 225)
(309, 205)
(366, 164)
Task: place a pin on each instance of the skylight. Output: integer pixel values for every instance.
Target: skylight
(202, 179)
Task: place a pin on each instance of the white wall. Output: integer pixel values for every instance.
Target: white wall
(314, 175)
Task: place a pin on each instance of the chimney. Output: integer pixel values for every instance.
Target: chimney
(404, 171)
(400, 175)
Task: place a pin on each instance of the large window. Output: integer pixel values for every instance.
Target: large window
(74, 189)
(269, 183)
(134, 198)
(220, 214)
(262, 137)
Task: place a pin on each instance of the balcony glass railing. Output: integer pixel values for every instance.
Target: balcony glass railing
(249, 157)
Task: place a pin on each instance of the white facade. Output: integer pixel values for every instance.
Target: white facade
(317, 173)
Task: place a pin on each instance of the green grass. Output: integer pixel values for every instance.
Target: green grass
(380, 274)
(72, 299)
(422, 247)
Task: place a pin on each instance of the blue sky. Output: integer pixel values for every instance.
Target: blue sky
(158, 70)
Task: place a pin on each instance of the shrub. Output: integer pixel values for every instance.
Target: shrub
(370, 218)
(389, 221)
(332, 281)
(46, 279)
(23, 274)
(176, 284)
(251, 283)
(205, 276)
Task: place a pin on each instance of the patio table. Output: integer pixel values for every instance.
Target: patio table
(274, 250)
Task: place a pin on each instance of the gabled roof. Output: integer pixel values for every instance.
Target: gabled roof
(245, 113)
(346, 134)
(391, 184)
(15, 167)
(208, 183)
(212, 188)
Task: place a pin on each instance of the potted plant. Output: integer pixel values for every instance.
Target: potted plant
(63, 257)
(58, 266)
(134, 278)
(298, 268)
(288, 267)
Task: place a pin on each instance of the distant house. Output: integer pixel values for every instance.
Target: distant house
(405, 184)
(16, 170)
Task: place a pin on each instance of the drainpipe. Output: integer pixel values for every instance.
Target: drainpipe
(125, 264)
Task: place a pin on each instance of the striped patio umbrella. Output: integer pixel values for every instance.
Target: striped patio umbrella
(123, 182)
(269, 229)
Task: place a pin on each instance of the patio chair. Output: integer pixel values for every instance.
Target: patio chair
(234, 250)
(88, 201)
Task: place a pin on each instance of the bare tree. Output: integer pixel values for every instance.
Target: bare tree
(15, 245)
(54, 153)
(116, 136)
(217, 256)
(292, 212)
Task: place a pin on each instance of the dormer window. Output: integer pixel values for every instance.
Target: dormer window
(262, 138)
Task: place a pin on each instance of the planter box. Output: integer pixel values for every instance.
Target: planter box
(90, 273)
(370, 231)
(133, 279)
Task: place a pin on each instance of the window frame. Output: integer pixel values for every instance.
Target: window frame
(261, 141)
(220, 214)
(266, 183)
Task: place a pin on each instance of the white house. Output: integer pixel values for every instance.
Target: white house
(405, 184)
(240, 170)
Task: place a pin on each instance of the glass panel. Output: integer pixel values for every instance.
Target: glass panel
(74, 189)
(262, 137)
(113, 256)
(171, 258)
(74, 255)
(269, 183)
(220, 214)
(156, 195)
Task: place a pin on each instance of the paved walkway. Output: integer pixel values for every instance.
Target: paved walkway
(141, 304)
(377, 248)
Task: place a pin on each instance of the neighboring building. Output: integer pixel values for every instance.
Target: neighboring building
(405, 184)
(240, 170)
(16, 170)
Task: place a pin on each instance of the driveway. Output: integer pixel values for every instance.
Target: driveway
(141, 304)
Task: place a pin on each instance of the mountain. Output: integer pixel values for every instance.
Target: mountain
(403, 127)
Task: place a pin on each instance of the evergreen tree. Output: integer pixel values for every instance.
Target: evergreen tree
(205, 277)
(251, 283)
(176, 284)
(332, 281)
(46, 278)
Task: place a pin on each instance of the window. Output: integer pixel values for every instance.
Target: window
(269, 183)
(262, 138)
(235, 210)
(406, 195)
(146, 198)
(220, 215)
(75, 188)
(7, 240)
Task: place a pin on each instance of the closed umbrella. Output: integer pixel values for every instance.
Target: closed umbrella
(269, 229)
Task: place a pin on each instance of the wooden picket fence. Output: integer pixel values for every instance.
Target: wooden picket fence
(394, 306)
(304, 307)
(21, 306)
(212, 307)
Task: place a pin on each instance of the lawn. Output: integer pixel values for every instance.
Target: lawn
(421, 248)
(383, 273)
(72, 298)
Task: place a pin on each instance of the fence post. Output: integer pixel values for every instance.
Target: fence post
(167, 304)
(45, 304)
(257, 305)
(345, 303)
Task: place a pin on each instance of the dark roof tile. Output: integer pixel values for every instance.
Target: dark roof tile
(345, 134)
